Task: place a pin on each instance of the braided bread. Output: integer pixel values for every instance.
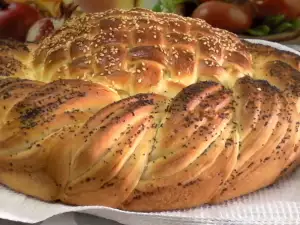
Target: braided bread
(146, 111)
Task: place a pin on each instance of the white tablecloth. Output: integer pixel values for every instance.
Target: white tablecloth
(68, 219)
(82, 219)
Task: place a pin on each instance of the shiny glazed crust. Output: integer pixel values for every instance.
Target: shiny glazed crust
(146, 111)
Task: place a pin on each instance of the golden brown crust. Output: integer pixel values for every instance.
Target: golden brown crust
(147, 111)
(265, 53)
(13, 58)
(195, 119)
(161, 47)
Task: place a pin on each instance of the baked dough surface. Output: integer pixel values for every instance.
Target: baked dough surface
(146, 111)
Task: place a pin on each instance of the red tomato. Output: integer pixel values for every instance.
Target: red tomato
(290, 8)
(16, 19)
(225, 16)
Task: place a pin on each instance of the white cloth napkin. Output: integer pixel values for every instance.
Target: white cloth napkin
(279, 204)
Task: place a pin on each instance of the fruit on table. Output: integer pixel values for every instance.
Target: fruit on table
(40, 29)
(16, 19)
(235, 18)
(289, 8)
(50, 6)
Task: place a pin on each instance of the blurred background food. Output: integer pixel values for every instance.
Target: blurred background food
(102, 5)
(274, 20)
(33, 20)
